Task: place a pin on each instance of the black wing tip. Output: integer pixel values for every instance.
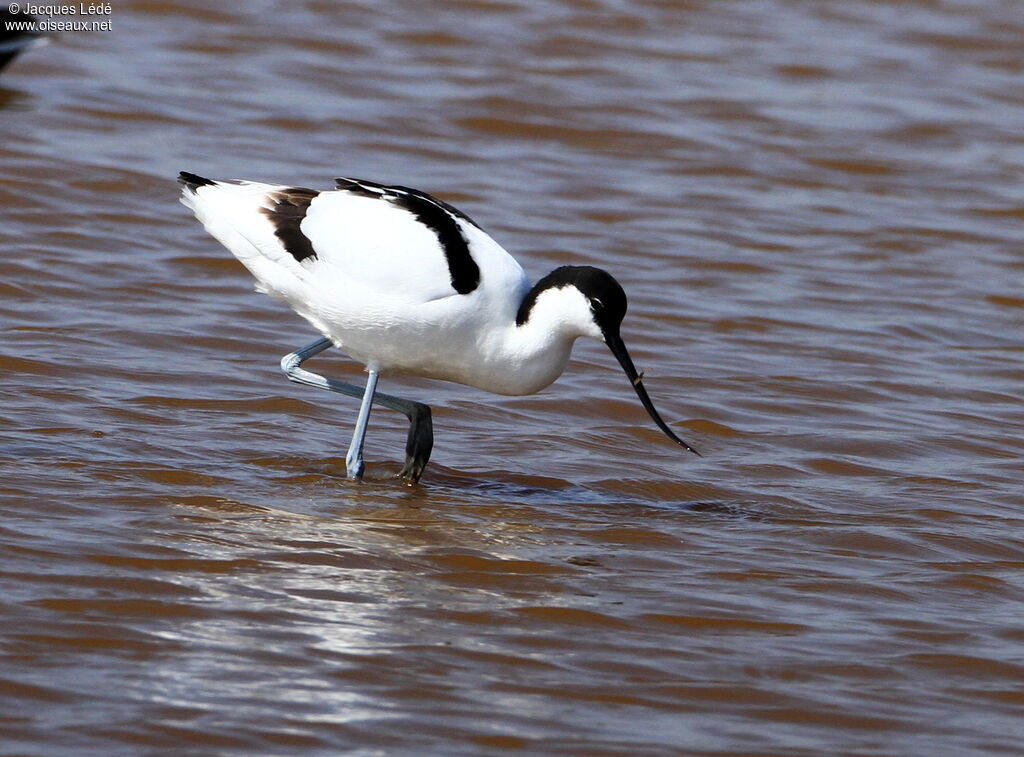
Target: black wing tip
(360, 186)
(193, 181)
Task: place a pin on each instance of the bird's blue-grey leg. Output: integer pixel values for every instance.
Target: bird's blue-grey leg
(421, 430)
(354, 459)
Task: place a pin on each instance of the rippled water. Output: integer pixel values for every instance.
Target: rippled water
(816, 211)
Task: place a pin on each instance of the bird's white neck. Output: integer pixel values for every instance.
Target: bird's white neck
(525, 358)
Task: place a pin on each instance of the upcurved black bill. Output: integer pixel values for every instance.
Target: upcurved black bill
(618, 348)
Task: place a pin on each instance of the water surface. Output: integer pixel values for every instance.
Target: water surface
(815, 209)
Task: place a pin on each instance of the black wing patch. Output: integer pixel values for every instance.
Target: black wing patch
(290, 206)
(438, 216)
(193, 181)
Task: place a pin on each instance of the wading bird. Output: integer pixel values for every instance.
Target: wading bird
(405, 283)
(17, 32)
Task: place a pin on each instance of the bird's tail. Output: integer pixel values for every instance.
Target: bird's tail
(237, 214)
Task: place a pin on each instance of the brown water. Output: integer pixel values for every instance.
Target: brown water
(816, 210)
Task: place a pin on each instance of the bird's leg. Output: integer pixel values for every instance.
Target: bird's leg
(421, 434)
(421, 431)
(354, 459)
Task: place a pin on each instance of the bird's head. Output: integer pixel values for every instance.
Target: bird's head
(592, 303)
